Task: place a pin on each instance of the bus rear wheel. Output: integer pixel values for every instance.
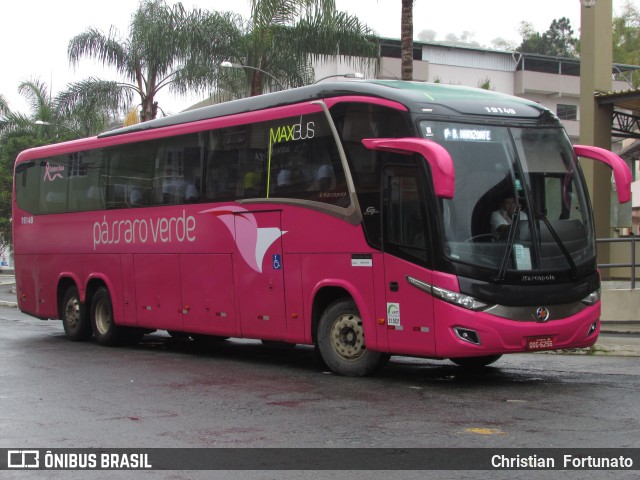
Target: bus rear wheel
(341, 343)
(75, 321)
(475, 362)
(104, 328)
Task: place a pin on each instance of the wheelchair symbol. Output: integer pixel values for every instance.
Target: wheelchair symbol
(277, 263)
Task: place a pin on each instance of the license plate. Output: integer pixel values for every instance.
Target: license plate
(540, 343)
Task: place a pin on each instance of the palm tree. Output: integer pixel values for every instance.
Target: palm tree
(283, 38)
(167, 46)
(4, 105)
(5, 185)
(406, 33)
(49, 120)
(38, 123)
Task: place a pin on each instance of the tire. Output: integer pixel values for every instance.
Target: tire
(104, 327)
(341, 342)
(475, 362)
(75, 321)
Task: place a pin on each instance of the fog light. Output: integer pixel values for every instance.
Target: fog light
(592, 328)
(467, 335)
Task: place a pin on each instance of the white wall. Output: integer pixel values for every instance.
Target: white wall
(471, 77)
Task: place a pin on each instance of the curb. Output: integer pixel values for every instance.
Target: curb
(600, 350)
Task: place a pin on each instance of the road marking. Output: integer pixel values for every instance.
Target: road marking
(486, 431)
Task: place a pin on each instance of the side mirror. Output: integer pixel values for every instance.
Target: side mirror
(621, 172)
(435, 155)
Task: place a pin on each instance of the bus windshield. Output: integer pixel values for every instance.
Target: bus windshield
(519, 203)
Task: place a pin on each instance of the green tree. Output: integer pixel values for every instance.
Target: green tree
(166, 47)
(50, 119)
(41, 122)
(558, 41)
(500, 43)
(485, 84)
(626, 39)
(5, 187)
(285, 37)
(4, 105)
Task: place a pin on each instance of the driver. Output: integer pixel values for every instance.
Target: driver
(501, 219)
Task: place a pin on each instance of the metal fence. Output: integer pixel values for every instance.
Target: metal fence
(632, 264)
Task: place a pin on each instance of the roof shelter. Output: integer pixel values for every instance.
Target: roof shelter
(626, 108)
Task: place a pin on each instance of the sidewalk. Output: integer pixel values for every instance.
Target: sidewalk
(616, 338)
(7, 290)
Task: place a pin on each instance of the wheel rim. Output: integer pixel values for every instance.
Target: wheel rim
(103, 317)
(72, 313)
(347, 337)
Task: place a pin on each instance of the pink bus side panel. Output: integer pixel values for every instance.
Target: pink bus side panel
(158, 291)
(410, 326)
(298, 324)
(208, 302)
(26, 281)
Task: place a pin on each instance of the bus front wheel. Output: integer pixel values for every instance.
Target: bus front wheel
(75, 321)
(341, 343)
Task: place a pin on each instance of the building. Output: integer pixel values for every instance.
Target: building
(551, 81)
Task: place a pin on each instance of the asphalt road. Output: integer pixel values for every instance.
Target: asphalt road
(174, 393)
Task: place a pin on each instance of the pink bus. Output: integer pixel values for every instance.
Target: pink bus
(366, 218)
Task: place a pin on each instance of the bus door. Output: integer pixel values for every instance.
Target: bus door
(409, 310)
(258, 270)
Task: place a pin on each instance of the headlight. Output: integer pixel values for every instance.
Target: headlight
(592, 298)
(458, 299)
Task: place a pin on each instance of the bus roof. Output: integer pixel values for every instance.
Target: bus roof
(417, 97)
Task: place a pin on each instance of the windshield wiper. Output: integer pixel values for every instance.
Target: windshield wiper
(561, 245)
(511, 236)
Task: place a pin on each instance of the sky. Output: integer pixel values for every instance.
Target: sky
(34, 34)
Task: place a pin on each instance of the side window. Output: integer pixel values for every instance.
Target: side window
(404, 214)
(128, 179)
(167, 171)
(356, 121)
(222, 164)
(178, 165)
(294, 157)
(67, 183)
(304, 162)
(27, 185)
(85, 173)
(54, 185)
